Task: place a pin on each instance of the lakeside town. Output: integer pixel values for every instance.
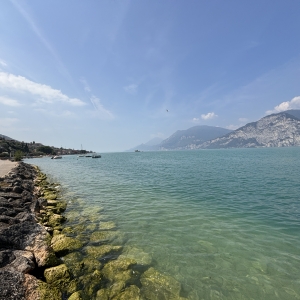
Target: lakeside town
(12, 149)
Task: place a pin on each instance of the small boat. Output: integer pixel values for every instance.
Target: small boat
(88, 156)
(80, 155)
(57, 157)
(96, 156)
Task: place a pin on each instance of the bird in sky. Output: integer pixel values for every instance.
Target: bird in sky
(167, 110)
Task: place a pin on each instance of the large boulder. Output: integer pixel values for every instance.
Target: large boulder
(159, 286)
(62, 244)
(99, 252)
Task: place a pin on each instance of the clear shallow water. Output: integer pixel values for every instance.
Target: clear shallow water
(225, 223)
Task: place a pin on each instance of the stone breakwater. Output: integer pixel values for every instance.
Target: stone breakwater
(24, 243)
(43, 258)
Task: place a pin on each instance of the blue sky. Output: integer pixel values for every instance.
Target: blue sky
(103, 73)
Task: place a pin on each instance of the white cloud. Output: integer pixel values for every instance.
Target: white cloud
(44, 92)
(85, 84)
(8, 122)
(195, 120)
(232, 127)
(8, 101)
(3, 63)
(131, 89)
(208, 116)
(292, 104)
(100, 110)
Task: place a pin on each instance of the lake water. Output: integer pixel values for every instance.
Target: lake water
(224, 223)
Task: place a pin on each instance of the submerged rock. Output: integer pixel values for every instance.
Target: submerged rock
(77, 296)
(100, 236)
(119, 269)
(91, 283)
(141, 257)
(101, 251)
(132, 292)
(107, 225)
(159, 286)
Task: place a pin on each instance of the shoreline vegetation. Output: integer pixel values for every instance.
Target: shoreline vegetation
(48, 252)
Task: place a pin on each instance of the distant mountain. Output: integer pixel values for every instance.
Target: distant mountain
(191, 138)
(276, 130)
(5, 137)
(151, 145)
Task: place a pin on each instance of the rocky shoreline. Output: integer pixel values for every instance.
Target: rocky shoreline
(25, 249)
(43, 258)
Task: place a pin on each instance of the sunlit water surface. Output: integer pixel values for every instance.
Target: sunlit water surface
(224, 223)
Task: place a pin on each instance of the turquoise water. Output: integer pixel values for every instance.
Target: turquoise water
(224, 223)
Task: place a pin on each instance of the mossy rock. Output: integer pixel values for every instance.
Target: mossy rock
(56, 220)
(86, 266)
(91, 227)
(47, 292)
(60, 277)
(91, 283)
(56, 207)
(57, 273)
(72, 258)
(100, 251)
(76, 296)
(119, 269)
(62, 244)
(159, 286)
(132, 292)
(141, 257)
(50, 196)
(103, 294)
(107, 225)
(116, 288)
(100, 236)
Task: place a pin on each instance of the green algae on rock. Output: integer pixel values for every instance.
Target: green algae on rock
(119, 269)
(91, 283)
(57, 273)
(100, 236)
(62, 244)
(132, 292)
(60, 277)
(100, 251)
(159, 286)
(77, 296)
(107, 225)
(141, 257)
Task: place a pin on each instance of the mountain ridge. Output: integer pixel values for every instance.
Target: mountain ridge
(275, 130)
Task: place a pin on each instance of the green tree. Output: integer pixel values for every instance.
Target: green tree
(45, 149)
(18, 155)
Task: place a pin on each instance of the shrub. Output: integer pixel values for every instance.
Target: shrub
(18, 155)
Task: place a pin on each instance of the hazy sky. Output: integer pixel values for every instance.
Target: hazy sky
(103, 73)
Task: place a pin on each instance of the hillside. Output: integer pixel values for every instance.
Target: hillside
(191, 138)
(151, 145)
(9, 146)
(5, 137)
(276, 130)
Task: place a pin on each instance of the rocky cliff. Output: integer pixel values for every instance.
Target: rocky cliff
(276, 130)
